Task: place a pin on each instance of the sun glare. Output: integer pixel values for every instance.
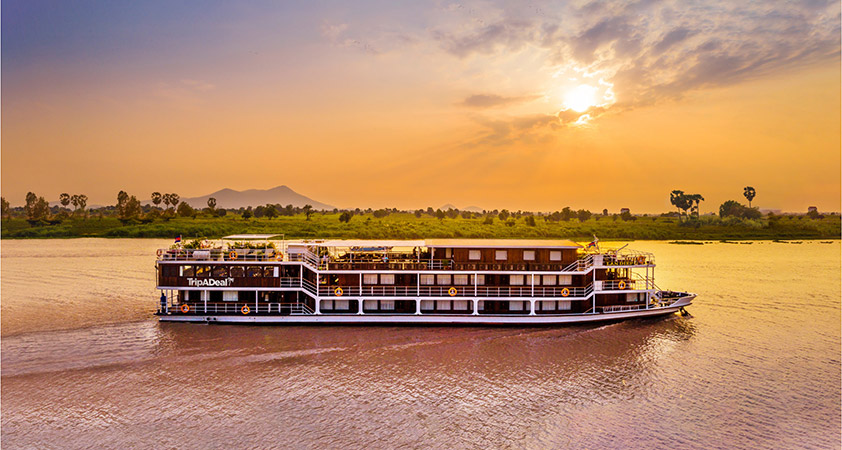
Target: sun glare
(580, 98)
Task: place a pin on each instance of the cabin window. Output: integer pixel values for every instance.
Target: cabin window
(474, 255)
(269, 271)
(549, 280)
(185, 271)
(443, 279)
(427, 305)
(501, 255)
(370, 278)
(327, 304)
(565, 280)
(341, 305)
(516, 280)
(480, 305)
(387, 278)
(219, 271)
(388, 305)
(254, 271)
(442, 305)
(480, 279)
(460, 305)
(168, 270)
(460, 280)
(370, 304)
(529, 255)
(547, 305)
(515, 306)
(237, 271)
(448, 253)
(555, 255)
(564, 305)
(203, 271)
(230, 296)
(428, 280)
(631, 297)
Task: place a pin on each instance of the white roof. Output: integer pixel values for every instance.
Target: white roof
(245, 237)
(369, 243)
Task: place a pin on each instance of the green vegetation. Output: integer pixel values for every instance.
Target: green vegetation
(405, 225)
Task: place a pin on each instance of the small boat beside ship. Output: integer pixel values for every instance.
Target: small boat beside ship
(260, 279)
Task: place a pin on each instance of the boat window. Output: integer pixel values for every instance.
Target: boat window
(370, 304)
(480, 279)
(443, 279)
(460, 305)
(254, 271)
(428, 280)
(237, 271)
(169, 270)
(327, 304)
(269, 271)
(516, 306)
(564, 305)
(474, 255)
(501, 255)
(460, 280)
(387, 278)
(516, 280)
(547, 305)
(341, 305)
(549, 280)
(426, 305)
(202, 271)
(529, 255)
(555, 255)
(387, 304)
(230, 296)
(187, 271)
(442, 305)
(565, 280)
(370, 278)
(219, 271)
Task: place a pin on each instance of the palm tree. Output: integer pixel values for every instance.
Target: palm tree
(677, 198)
(212, 203)
(174, 200)
(156, 198)
(166, 199)
(749, 193)
(64, 199)
(694, 199)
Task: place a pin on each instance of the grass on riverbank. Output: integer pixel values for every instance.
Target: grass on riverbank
(407, 226)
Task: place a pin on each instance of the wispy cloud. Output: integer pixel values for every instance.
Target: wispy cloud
(481, 101)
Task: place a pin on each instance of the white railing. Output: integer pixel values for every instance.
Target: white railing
(617, 308)
(621, 285)
(455, 291)
(580, 265)
(218, 254)
(239, 307)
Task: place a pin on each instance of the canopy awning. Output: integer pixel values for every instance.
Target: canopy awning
(250, 237)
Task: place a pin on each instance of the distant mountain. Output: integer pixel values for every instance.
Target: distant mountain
(467, 208)
(229, 198)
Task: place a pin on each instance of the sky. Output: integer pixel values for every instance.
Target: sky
(524, 105)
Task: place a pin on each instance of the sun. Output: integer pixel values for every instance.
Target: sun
(580, 98)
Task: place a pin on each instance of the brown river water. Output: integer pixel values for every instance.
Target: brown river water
(757, 365)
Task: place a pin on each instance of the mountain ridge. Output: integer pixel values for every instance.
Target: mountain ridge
(232, 199)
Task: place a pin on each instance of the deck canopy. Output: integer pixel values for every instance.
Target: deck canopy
(368, 244)
(500, 243)
(250, 237)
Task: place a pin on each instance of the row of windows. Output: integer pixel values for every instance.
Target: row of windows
(465, 280)
(222, 271)
(503, 255)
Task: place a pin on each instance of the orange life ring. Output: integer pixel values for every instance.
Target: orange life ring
(279, 256)
(232, 255)
(245, 309)
(452, 291)
(622, 285)
(338, 292)
(160, 252)
(565, 292)
(185, 308)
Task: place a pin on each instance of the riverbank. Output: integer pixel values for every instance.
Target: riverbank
(408, 226)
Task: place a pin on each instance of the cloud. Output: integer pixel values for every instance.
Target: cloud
(492, 100)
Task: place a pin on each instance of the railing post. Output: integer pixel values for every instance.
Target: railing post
(417, 306)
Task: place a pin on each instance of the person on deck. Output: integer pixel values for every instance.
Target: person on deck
(163, 302)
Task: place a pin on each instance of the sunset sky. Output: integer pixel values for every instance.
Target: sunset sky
(518, 105)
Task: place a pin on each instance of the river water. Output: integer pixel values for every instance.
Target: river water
(86, 365)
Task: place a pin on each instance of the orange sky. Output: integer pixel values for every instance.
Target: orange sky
(415, 106)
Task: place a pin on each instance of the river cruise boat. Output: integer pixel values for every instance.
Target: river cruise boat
(260, 279)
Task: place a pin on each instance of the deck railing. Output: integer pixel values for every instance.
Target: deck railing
(621, 285)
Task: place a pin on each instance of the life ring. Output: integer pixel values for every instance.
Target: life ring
(232, 255)
(622, 285)
(338, 292)
(185, 308)
(565, 292)
(279, 256)
(160, 252)
(245, 309)
(452, 291)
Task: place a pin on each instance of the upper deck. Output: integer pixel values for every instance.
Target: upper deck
(402, 255)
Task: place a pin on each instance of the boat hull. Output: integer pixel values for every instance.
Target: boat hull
(428, 319)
